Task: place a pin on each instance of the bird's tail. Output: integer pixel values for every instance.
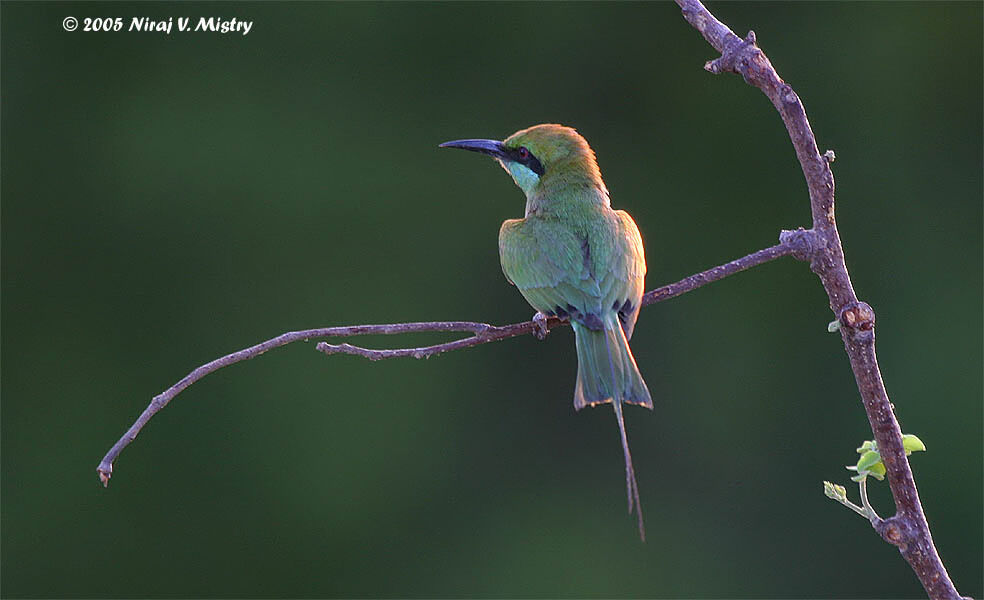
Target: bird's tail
(607, 372)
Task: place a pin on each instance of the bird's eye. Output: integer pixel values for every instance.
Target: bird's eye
(524, 153)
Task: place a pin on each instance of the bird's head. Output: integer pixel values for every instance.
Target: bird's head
(541, 157)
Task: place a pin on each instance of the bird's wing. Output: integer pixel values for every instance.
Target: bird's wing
(620, 262)
(549, 263)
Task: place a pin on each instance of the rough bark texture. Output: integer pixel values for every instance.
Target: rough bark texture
(908, 529)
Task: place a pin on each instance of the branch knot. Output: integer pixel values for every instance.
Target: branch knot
(857, 316)
(803, 242)
(737, 56)
(896, 531)
(788, 95)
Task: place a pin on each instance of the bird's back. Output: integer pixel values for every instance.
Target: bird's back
(588, 257)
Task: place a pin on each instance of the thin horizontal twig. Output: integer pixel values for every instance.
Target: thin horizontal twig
(791, 243)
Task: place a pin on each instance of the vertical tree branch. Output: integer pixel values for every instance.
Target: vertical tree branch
(907, 529)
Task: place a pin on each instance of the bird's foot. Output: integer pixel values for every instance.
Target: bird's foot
(540, 325)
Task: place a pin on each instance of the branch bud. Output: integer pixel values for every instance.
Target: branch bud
(858, 316)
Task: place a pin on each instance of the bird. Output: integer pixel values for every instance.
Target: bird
(573, 257)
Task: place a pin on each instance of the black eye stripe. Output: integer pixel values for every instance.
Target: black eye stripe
(531, 162)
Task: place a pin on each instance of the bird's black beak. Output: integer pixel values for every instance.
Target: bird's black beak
(493, 148)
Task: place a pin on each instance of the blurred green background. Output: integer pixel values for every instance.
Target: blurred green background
(169, 199)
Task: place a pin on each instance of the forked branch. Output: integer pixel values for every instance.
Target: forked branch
(791, 243)
(908, 529)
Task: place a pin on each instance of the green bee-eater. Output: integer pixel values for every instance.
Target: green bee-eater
(574, 257)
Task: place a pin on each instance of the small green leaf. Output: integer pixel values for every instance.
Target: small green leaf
(877, 471)
(867, 460)
(912, 444)
(833, 326)
(869, 464)
(866, 446)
